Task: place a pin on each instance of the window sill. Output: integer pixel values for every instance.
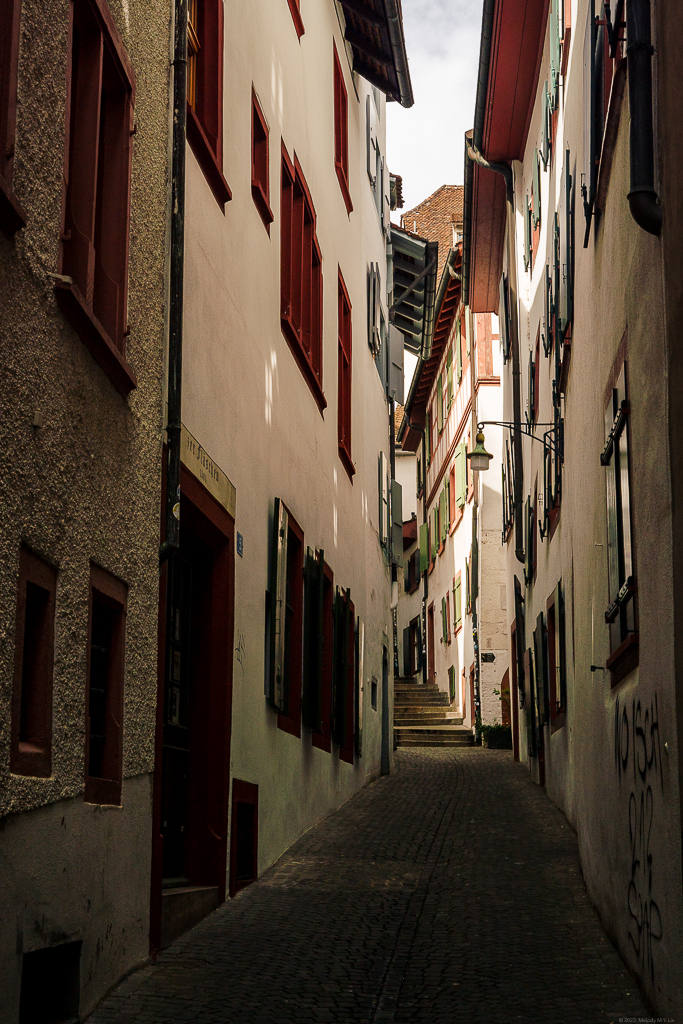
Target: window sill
(206, 158)
(303, 363)
(296, 18)
(624, 659)
(103, 791)
(344, 186)
(261, 202)
(346, 462)
(94, 337)
(289, 725)
(30, 761)
(558, 722)
(12, 215)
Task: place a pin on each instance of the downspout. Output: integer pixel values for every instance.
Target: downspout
(518, 482)
(475, 535)
(642, 197)
(175, 332)
(394, 568)
(398, 47)
(425, 575)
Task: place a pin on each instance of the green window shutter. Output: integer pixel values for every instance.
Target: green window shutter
(442, 515)
(545, 126)
(444, 621)
(458, 350)
(449, 504)
(278, 592)
(536, 189)
(424, 547)
(439, 402)
(457, 602)
(428, 437)
(449, 376)
(406, 651)
(461, 474)
(434, 533)
(451, 682)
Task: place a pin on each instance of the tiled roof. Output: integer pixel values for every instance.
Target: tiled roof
(399, 413)
(434, 217)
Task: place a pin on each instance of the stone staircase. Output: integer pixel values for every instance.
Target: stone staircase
(422, 717)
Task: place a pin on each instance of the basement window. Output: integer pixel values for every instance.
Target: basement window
(50, 984)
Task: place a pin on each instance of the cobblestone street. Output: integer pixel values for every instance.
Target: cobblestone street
(447, 892)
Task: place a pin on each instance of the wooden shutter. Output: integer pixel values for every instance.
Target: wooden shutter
(396, 523)
(503, 315)
(545, 126)
(458, 349)
(590, 163)
(519, 640)
(547, 313)
(371, 140)
(428, 438)
(442, 515)
(560, 650)
(555, 58)
(424, 547)
(457, 601)
(439, 402)
(528, 568)
(444, 621)
(527, 234)
(536, 189)
(467, 586)
(418, 645)
(313, 640)
(435, 532)
(360, 687)
(541, 662)
(461, 474)
(449, 376)
(278, 590)
(383, 500)
(531, 388)
(342, 620)
(565, 219)
(612, 509)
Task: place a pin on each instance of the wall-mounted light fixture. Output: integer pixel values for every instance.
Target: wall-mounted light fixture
(552, 440)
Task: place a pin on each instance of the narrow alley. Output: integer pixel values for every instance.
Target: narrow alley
(448, 891)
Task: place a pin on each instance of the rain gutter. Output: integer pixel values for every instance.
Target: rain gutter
(398, 48)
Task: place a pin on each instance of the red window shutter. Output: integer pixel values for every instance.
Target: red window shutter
(341, 132)
(296, 17)
(12, 216)
(205, 116)
(286, 207)
(260, 178)
(344, 376)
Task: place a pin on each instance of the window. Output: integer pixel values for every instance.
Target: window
(557, 668)
(31, 738)
(294, 7)
(104, 694)
(530, 541)
(508, 495)
(411, 572)
(457, 603)
(286, 620)
(461, 474)
(341, 132)
(12, 216)
(94, 248)
(205, 93)
(344, 377)
(374, 316)
(243, 835)
(622, 614)
(301, 277)
(260, 178)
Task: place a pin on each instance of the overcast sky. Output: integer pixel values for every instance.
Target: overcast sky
(425, 144)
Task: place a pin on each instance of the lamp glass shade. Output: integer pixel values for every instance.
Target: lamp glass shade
(479, 457)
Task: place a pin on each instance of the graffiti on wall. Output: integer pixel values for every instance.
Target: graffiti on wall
(638, 761)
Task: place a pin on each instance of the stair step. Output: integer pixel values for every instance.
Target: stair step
(425, 720)
(436, 743)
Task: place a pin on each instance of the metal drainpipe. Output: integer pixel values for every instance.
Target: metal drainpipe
(394, 568)
(175, 332)
(518, 482)
(475, 523)
(642, 197)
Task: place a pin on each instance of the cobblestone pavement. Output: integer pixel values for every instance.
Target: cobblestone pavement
(449, 891)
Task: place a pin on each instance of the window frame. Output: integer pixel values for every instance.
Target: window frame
(111, 593)
(301, 283)
(33, 756)
(260, 176)
(205, 117)
(344, 376)
(12, 214)
(341, 130)
(557, 654)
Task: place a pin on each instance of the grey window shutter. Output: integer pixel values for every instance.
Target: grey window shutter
(612, 511)
(424, 547)
(541, 660)
(532, 388)
(278, 590)
(457, 602)
(547, 313)
(444, 621)
(439, 402)
(555, 59)
(560, 653)
(519, 640)
(528, 567)
(536, 189)
(360, 688)
(590, 163)
(565, 213)
(396, 522)
(371, 140)
(428, 438)
(396, 343)
(342, 622)
(383, 500)
(545, 126)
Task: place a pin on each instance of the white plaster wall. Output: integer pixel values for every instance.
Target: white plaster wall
(599, 768)
(74, 871)
(406, 474)
(247, 403)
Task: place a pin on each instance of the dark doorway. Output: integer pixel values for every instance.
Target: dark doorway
(193, 720)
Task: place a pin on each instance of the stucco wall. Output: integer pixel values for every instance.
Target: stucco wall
(249, 406)
(613, 767)
(83, 486)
